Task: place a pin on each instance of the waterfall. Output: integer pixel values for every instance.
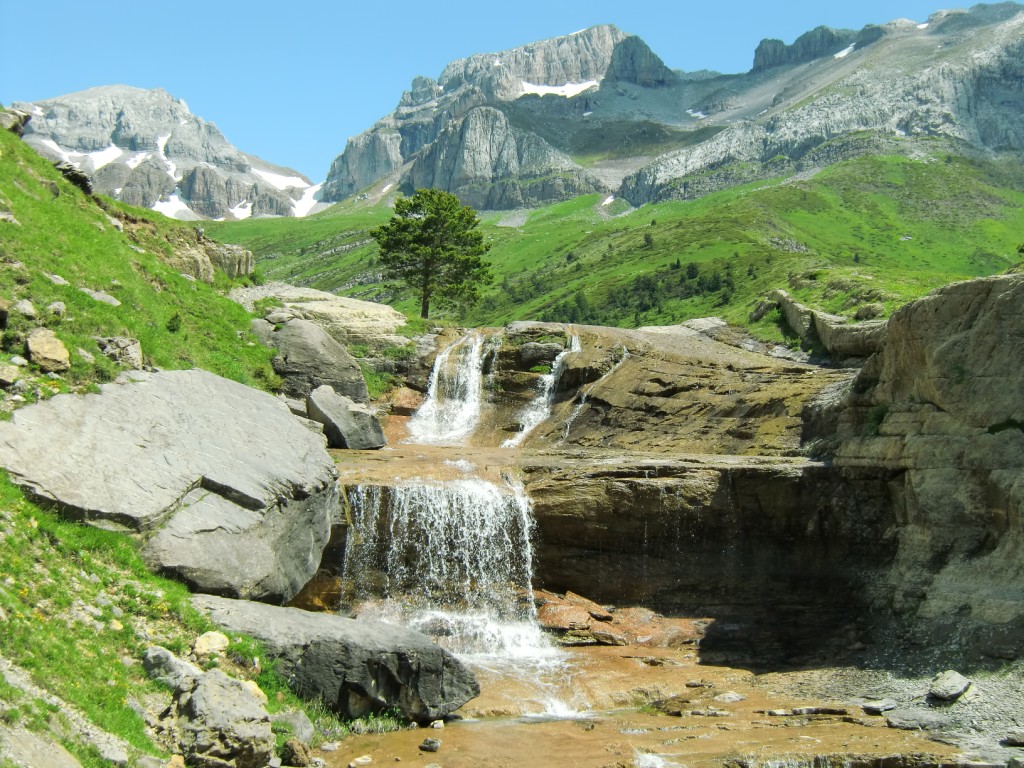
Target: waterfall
(451, 409)
(540, 407)
(454, 561)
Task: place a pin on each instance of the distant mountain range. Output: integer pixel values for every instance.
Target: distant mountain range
(147, 149)
(595, 111)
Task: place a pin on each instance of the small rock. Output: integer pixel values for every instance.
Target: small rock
(330, 746)
(116, 625)
(101, 296)
(296, 752)
(47, 351)
(1015, 739)
(57, 308)
(437, 724)
(176, 761)
(57, 280)
(299, 722)
(18, 360)
(9, 218)
(363, 760)
(878, 707)
(187, 277)
(909, 719)
(8, 375)
(778, 712)
(26, 309)
(729, 697)
(87, 356)
(275, 762)
(210, 644)
(430, 745)
(948, 686)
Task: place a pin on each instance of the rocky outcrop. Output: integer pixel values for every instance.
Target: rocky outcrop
(353, 667)
(491, 165)
(229, 492)
(820, 41)
(348, 321)
(841, 339)
(939, 408)
(308, 357)
(147, 149)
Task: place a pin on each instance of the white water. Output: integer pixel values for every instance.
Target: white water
(451, 410)
(540, 407)
(454, 560)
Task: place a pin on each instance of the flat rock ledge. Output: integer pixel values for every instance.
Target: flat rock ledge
(230, 492)
(354, 666)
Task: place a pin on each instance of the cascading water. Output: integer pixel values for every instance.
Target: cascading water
(455, 559)
(540, 407)
(451, 409)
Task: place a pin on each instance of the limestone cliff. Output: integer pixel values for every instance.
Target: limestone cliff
(146, 148)
(940, 408)
(439, 128)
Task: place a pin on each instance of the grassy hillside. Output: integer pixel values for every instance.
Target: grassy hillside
(53, 228)
(77, 605)
(870, 230)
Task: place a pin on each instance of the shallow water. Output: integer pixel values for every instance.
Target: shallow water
(598, 714)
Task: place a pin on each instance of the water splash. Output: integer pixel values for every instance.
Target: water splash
(540, 407)
(451, 409)
(455, 561)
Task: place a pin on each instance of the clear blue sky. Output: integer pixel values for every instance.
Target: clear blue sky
(291, 81)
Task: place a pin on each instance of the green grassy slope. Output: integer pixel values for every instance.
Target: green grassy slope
(875, 229)
(77, 605)
(62, 231)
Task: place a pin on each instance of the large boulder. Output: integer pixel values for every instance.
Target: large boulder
(308, 357)
(347, 424)
(222, 722)
(232, 494)
(353, 666)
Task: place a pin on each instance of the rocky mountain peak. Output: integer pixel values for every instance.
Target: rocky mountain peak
(146, 148)
(820, 41)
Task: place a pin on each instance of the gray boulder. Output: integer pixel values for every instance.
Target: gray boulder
(309, 357)
(948, 686)
(354, 666)
(222, 722)
(160, 664)
(347, 424)
(231, 492)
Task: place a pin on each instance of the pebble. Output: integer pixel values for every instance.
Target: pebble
(878, 707)
(364, 760)
(19, 361)
(330, 746)
(437, 724)
(948, 685)
(729, 697)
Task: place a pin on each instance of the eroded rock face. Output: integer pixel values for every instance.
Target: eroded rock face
(940, 407)
(354, 667)
(230, 492)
